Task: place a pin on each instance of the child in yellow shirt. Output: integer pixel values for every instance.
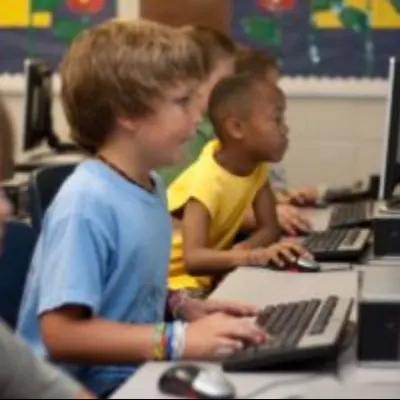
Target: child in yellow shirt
(209, 200)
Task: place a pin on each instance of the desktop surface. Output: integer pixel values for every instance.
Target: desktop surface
(263, 287)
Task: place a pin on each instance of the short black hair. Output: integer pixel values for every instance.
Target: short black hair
(235, 95)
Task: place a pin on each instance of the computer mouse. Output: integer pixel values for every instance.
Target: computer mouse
(196, 382)
(298, 265)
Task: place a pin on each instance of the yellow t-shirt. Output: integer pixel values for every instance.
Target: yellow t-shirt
(226, 197)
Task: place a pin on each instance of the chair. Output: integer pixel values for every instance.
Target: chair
(15, 258)
(43, 185)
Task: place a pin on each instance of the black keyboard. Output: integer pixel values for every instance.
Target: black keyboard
(346, 194)
(338, 244)
(350, 215)
(301, 332)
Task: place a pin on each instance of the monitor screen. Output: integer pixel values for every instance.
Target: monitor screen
(390, 170)
(37, 124)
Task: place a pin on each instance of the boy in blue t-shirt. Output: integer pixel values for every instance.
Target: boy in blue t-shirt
(97, 290)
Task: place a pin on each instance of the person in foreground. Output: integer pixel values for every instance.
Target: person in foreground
(96, 295)
(22, 375)
(210, 199)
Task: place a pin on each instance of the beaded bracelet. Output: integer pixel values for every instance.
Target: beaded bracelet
(159, 352)
(167, 339)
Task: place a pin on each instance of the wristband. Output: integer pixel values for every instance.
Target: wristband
(179, 339)
(160, 342)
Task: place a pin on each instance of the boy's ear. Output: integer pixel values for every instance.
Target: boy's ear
(127, 124)
(235, 127)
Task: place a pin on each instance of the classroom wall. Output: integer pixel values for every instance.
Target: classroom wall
(336, 125)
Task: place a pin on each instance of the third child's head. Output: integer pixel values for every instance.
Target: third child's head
(218, 53)
(248, 113)
(262, 64)
(131, 86)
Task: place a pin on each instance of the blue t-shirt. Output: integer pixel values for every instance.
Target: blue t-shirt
(105, 245)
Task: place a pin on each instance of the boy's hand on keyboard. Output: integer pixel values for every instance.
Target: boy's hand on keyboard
(281, 253)
(292, 220)
(219, 334)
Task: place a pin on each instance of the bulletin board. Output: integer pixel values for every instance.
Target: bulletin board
(44, 28)
(322, 38)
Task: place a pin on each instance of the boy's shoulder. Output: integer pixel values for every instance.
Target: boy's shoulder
(87, 189)
(88, 179)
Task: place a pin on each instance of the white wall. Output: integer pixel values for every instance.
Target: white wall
(336, 125)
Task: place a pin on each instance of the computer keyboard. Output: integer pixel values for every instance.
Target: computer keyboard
(302, 331)
(348, 215)
(338, 244)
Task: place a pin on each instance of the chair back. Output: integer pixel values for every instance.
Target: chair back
(43, 185)
(15, 258)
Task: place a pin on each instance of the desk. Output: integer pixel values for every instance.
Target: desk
(262, 286)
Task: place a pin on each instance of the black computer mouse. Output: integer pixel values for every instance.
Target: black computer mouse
(196, 382)
(299, 265)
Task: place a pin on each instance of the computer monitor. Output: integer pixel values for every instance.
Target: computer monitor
(38, 123)
(390, 169)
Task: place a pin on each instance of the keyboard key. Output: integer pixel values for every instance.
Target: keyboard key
(295, 332)
(324, 316)
(263, 316)
(351, 237)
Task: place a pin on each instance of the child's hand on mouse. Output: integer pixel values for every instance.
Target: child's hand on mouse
(291, 220)
(220, 334)
(281, 253)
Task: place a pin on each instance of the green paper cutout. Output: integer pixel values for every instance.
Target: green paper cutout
(396, 5)
(263, 30)
(66, 30)
(325, 5)
(44, 5)
(354, 19)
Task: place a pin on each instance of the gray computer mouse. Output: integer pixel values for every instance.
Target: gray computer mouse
(298, 265)
(196, 382)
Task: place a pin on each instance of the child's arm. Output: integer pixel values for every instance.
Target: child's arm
(267, 230)
(199, 258)
(72, 268)
(71, 335)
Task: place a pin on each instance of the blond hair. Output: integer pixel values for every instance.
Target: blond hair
(255, 61)
(119, 68)
(214, 45)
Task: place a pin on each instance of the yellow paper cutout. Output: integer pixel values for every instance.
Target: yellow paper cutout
(383, 15)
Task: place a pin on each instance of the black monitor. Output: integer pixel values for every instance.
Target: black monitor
(390, 169)
(38, 123)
